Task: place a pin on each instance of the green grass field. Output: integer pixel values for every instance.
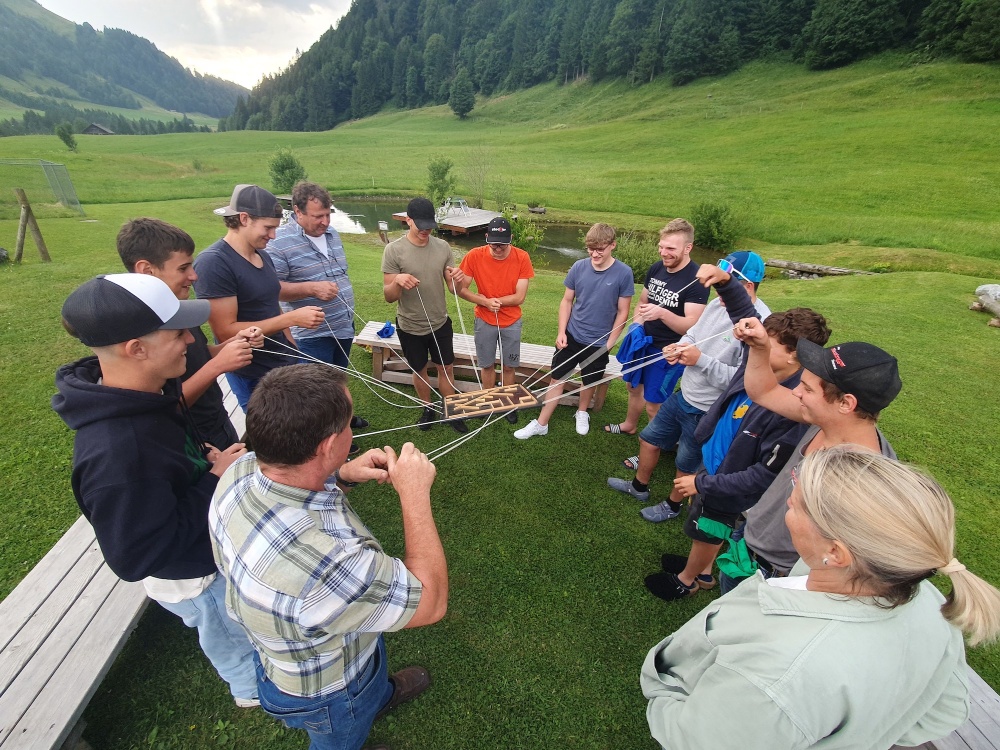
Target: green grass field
(548, 620)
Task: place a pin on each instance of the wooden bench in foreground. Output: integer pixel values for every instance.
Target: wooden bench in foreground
(389, 366)
(60, 631)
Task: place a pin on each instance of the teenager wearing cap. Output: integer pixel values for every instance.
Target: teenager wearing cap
(669, 304)
(139, 475)
(500, 272)
(240, 283)
(711, 355)
(418, 271)
(840, 395)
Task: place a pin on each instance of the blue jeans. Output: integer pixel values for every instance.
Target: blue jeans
(327, 349)
(339, 721)
(242, 388)
(222, 639)
(675, 423)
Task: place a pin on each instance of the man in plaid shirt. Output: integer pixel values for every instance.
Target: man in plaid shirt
(307, 579)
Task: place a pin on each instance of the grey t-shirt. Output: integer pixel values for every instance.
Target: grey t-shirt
(596, 299)
(765, 532)
(427, 302)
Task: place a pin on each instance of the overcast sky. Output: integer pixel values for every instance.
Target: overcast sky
(239, 40)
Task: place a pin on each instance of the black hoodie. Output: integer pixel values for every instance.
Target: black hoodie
(138, 475)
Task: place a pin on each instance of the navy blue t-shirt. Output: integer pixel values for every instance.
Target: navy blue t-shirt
(664, 289)
(223, 272)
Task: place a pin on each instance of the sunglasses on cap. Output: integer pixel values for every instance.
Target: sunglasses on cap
(729, 268)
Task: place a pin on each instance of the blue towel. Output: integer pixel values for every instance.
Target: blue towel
(386, 331)
(635, 345)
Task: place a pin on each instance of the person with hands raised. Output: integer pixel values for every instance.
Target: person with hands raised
(307, 579)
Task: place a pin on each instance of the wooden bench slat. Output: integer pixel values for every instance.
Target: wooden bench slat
(38, 670)
(40, 624)
(35, 587)
(77, 677)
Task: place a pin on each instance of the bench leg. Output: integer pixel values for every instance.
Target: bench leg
(378, 359)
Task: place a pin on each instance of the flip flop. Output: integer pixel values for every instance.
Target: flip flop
(631, 463)
(616, 429)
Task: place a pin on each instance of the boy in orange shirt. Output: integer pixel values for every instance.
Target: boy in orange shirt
(500, 272)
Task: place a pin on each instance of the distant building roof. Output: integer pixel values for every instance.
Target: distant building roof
(95, 129)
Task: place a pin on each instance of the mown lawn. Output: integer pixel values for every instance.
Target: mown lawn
(548, 620)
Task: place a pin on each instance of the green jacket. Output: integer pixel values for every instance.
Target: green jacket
(774, 668)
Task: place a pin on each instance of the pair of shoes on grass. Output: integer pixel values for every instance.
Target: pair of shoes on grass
(534, 429)
(429, 416)
(676, 563)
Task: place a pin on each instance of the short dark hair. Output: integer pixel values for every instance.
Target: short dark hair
(295, 408)
(798, 323)
(833, 394)
(303, 192)
(151, 240)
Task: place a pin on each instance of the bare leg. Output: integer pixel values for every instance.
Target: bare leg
(489, 376)
(651, 410)
(508, 376)
(445, 383)
(649, 456)
(551, 399)
(675, 495)
(586, 393)
(421, 386)
(635, 402)
(699, 561)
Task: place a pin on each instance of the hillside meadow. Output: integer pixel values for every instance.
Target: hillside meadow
(548, 620)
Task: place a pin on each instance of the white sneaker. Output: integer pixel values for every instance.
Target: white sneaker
(247, 702)
(531, 429)
(582, 423)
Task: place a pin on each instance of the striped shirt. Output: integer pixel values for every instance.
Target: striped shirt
(306, 579)
(297, 259)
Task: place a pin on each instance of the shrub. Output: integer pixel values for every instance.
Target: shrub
(65, 132)
(285, 170)
(638, 252)
(716, 226)
(526, 234)
(440, 180)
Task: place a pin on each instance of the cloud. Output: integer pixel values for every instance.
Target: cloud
(240, 40)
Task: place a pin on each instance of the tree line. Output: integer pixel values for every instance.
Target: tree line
(105, 68)
(407, 53)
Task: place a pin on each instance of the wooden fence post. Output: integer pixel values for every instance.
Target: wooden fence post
(28, 222)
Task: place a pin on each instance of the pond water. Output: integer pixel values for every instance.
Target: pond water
(561, 247)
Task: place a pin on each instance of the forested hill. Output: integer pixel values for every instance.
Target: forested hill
(405, 53)
(104, 68)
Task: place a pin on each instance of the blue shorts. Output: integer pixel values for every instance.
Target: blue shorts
(674, 424)
(658, 380)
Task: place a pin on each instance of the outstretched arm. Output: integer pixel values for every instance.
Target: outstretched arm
(759, 380)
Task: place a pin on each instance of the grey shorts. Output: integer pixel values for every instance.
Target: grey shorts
(486, 337)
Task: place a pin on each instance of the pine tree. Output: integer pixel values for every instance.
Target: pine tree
(463, 97)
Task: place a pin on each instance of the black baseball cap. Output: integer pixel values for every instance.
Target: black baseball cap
(498, 232)
(124, 306)
(868, 373)
(253, 200)
(421, 211)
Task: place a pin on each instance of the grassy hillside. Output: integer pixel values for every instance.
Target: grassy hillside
(549, 621)
(883, 153)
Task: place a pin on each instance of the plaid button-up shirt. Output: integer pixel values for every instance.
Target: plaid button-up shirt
(306, 578)
(296, 259)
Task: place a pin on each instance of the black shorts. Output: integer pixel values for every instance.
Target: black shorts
(564, 361)
(697, 510)
(418, 347)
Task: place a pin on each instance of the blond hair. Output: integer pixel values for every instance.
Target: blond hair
(679, 226)
(600, 235)
(899, 525)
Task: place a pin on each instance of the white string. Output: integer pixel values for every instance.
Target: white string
(461, 320)
(607, 337)
(440, 368)
(496, 314)
(445, 449)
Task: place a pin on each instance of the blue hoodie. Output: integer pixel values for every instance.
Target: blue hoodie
(138, 475)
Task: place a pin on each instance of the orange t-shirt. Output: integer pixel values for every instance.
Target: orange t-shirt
(497, 278)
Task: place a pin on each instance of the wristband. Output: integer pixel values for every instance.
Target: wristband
(343, 482)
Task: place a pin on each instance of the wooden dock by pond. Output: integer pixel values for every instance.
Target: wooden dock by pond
(460, 220)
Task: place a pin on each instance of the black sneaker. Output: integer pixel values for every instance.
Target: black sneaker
(673, 563)
(668, 587)
(459, 426)
(426, 417)
(511, 416)
(358, 423)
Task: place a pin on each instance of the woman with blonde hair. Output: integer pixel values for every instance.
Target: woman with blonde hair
(855, 648)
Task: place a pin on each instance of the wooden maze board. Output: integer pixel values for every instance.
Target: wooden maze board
(498, 400)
